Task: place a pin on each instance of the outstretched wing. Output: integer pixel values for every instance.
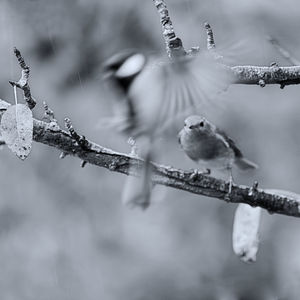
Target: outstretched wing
(168, 90)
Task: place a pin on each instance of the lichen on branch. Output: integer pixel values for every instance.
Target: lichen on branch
(173, 43)
(163, 175)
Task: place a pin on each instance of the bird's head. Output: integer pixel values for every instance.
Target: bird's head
(198, 124)
(125, 64)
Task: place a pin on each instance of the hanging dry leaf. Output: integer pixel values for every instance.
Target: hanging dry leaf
(245, 232)
(17, 128)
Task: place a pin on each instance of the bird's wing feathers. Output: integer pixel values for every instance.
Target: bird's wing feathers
(169, 90)
(229, 143)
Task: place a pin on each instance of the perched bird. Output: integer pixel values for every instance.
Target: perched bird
(152, 94)
(203, 142)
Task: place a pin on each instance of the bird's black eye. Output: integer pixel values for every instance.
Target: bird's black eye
(201, 124)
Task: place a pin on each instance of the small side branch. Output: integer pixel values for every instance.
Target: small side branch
(23, 82)
(173, 43)
(210, 42)
(80, 139)
(203, 185)
(210, 37)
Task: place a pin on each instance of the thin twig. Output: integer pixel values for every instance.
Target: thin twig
(23, 81)
(48, 114)
(286, 54)
(239, 74)
(173, 43)
(210, 37)
(80, 139)
(203, 185)
(210, 42)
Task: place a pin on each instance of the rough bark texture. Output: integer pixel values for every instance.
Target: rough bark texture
(173, 43)
(270, 75)
(50, 134)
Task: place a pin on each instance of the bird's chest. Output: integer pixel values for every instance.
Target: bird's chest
(207, 150)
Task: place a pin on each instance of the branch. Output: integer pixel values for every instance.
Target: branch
(239, 74)
(267, 75)
(173, 43)
(283, 52)
(163, 175)
(23, 82)
(255, 74)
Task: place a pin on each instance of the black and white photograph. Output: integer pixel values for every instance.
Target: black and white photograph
(149, 150)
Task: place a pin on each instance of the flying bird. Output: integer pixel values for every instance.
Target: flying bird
(153, 93)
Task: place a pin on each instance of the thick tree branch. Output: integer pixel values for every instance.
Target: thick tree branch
(203, 185)
(239, 74)
(210, 42)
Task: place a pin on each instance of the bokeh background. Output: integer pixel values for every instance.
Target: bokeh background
(64, 233)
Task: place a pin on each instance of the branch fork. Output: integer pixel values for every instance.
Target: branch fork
(23, 81)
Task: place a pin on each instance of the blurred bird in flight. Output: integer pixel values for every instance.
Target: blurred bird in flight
(206, 144)
(152, 94)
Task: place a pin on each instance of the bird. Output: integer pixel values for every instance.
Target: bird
(211, 147)
(154, 92)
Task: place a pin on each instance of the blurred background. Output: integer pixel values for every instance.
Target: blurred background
(64, 233)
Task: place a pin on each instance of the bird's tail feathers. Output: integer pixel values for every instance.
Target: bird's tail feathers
(245, 164)
(137, 190)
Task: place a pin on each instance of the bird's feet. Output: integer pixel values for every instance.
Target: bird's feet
(194, 176)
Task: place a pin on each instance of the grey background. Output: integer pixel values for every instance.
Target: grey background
(63, 231)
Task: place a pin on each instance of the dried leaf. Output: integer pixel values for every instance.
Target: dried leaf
(245, 232)
(17, 128)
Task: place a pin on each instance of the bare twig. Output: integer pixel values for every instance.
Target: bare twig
(48, 114)
(256, 74)
(210, 37)
(239, 74)
(173, 43)
(23, 82)
(210, 42)
(163, 175)
(287, 55)
(71, 143)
